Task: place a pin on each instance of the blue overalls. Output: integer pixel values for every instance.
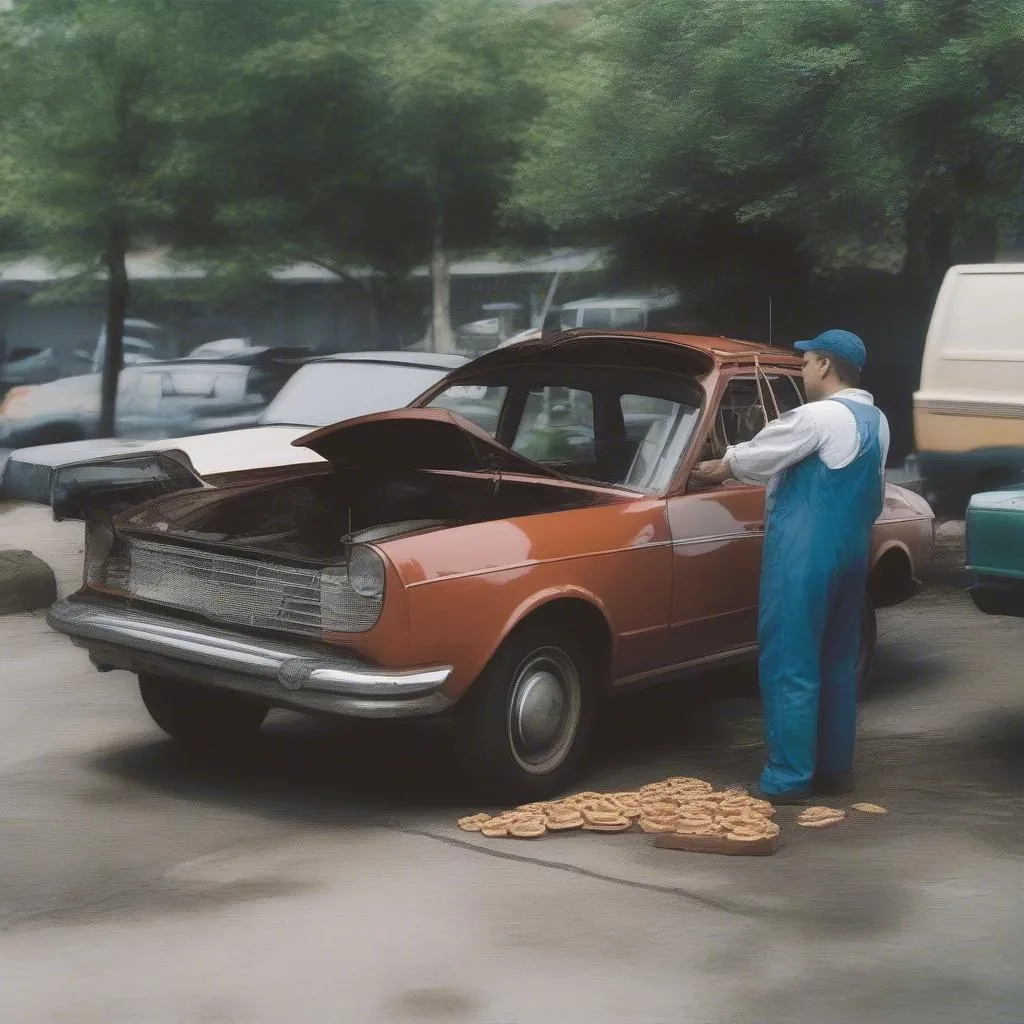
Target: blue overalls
(813, 579)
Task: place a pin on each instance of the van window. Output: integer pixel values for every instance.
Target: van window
(599, 317)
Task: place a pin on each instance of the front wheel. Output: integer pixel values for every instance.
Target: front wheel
(868, 646)
(524, 724)
(200, 717)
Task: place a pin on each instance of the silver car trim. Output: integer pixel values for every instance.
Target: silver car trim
(285, 674)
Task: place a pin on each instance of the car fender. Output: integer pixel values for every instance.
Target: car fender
(549, 596)
(535, 603)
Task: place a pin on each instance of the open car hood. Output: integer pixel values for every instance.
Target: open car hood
(89, 488)
(409, 439)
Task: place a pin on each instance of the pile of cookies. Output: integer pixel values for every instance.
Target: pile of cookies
(683, 806)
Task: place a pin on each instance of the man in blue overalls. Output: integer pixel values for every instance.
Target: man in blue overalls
(824, 466)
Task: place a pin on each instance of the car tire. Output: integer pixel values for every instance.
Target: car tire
(201, 718)
(524, 724)
(868, 646)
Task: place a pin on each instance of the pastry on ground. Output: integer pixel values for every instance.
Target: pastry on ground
(656, 825)
(563, 819)
(604, 820)
(495, 831)
(474, 822)
(622, 825)
(870, 808)
(528, 828)
(820, 817)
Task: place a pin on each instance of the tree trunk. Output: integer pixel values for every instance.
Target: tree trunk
(441, 333)
(929, 242)
(117, 304)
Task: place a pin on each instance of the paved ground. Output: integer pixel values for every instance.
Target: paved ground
(322, 881)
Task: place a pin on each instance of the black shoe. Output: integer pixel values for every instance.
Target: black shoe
(837, 784)
(781, 799)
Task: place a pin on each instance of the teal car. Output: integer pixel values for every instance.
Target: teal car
(995, 551)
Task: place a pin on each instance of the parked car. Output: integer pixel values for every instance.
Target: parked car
(221, 347)
(34, 366)
(969, 409)
(429, 568)
(995, 551)
(483, 335)
(322, 391)
(143, 342)
(154, 400)
(656, 311)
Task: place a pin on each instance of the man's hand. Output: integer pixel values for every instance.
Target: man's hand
(714, 472)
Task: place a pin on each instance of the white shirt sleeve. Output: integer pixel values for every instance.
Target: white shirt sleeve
(783, 443)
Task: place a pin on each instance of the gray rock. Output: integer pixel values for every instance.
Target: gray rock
(26, 583)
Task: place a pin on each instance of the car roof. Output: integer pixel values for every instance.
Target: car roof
(716, 351)
(428, 360)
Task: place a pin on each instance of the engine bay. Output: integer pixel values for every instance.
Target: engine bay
(319, 516)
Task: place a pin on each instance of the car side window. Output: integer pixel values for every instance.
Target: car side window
(788, 391)
(655, 439)
(740, 414)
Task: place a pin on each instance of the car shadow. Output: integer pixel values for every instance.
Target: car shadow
(349, 769)
(345, 771)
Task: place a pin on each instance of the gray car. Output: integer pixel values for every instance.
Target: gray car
(154, 400)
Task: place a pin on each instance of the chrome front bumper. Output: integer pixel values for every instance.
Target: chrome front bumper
(284, 674)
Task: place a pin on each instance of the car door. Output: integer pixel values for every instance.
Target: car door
(717, 535)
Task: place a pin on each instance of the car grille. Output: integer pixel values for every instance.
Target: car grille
(239, 591)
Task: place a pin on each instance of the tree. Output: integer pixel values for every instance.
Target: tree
(110, 107)
(381, 137)
(461, 82)
(877, 135)
(83, 147)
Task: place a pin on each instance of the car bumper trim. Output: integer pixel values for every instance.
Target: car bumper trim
(286, 675)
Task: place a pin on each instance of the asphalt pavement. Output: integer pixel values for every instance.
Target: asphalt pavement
(323, 880)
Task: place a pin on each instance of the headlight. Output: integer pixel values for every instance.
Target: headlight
(107, 564)
(14, 398)
(366, 572)
(352, 595)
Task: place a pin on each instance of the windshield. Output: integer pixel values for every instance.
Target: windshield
(609, 427)
(319, 394)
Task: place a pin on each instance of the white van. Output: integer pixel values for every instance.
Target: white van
(969, 409)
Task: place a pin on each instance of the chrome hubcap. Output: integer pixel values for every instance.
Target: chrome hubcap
(538, 710)
(544, 710)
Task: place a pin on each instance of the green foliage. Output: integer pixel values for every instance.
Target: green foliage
(868, 129)
(83, 143)
(354, 130)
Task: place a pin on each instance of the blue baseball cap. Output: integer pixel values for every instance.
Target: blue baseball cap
(841, 344)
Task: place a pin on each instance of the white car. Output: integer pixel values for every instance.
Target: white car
(324, 390)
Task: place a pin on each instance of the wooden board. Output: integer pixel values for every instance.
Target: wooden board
(717, 844)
